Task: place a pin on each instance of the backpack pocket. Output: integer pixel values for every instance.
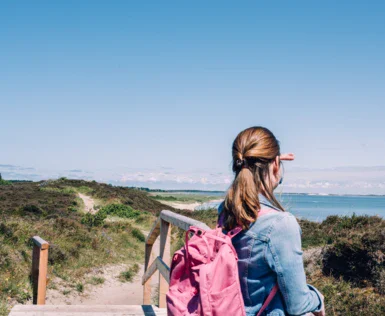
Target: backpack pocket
(227, 302)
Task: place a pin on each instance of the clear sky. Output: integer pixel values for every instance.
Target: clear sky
(154, 92)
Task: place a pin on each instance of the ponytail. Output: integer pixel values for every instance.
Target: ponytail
(253, 150)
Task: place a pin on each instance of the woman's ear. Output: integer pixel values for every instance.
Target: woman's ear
(276, 165)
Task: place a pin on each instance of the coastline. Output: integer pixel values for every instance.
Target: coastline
(189, 206)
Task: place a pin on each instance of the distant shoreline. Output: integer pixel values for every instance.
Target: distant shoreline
(188, 206)
(206, 192)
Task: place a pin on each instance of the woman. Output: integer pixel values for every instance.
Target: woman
(269, 247)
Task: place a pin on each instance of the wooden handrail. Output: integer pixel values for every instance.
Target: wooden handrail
(162, 227)
(39, 269)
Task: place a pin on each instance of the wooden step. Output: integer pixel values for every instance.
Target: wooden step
(78, 310)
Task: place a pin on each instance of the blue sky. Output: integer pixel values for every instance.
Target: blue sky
(153, 93)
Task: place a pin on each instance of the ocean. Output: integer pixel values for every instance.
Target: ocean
(318, 207)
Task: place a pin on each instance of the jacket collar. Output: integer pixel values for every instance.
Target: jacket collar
(264, 201)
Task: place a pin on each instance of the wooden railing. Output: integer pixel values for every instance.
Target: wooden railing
(39, 270)
(162, 227)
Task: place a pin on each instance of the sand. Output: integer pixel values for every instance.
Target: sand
(89, 203)
(188, 206)
(112, 291)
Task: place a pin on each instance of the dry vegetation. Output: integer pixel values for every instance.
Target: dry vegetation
(78, 241)
(344, 256)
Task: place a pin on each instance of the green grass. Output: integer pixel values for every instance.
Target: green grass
(96, 280)
(138, 235)
(119, 210)
(128, 276)
(80, 287)
(108, 194)
(52, 210)
(4, 182)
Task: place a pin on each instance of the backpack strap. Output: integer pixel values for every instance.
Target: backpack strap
(268, 300)
(232, 233)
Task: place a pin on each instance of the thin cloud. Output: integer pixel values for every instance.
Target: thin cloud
(341, 180)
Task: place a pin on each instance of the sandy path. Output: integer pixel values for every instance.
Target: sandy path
(89, 203)
(112, 291)
(182, 206)
(188, 206)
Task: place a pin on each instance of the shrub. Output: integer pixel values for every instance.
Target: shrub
(360, 260)
(92, 220)
(138, 234)
(120, 210)
(56, 255)
(72, 209)
(80, 287)
(4, 182)
(32, 209)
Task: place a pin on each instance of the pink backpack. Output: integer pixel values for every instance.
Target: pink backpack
(204, 276)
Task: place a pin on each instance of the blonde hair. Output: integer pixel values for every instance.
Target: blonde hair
(253, 151)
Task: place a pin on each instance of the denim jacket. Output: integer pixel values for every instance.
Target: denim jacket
(270, 252)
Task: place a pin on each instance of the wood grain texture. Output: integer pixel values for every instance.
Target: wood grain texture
(78, 310)
(41, 243)
(42, 280)
(164, 261)
(39, 270)
(181, 221)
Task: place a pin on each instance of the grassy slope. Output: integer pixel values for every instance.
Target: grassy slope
(53, 211)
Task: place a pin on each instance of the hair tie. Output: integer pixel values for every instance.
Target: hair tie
(242, 163)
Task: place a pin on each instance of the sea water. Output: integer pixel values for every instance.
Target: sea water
(318, 207)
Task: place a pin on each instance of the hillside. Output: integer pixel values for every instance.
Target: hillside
(344, 256)
(79, 241)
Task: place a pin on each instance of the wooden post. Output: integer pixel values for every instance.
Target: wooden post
(164, 254)
(147, 285)
(39, 270)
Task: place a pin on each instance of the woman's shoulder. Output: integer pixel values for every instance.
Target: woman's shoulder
(273, 222)
(284, 223)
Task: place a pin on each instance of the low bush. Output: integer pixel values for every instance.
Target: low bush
(4, 182)
(360, 260)
(120, 210)
(92, 220)
(138, 234)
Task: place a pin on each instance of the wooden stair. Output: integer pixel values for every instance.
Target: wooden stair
(79, 310)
